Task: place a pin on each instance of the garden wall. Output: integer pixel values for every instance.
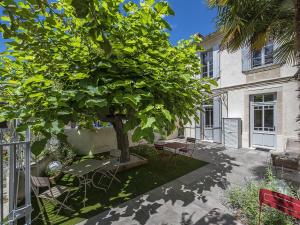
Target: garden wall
(99, 140)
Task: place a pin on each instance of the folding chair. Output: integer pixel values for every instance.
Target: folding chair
(187, 147)
(281, 202)
(51, 193)
(110, 170)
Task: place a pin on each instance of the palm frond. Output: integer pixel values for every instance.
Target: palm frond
(286, 51)
(253, 23)
(213, 3)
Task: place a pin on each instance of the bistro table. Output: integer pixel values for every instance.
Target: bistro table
(174, 146)
(82, 170)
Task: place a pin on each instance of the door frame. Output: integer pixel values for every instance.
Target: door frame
(203, 123)
(251, 127)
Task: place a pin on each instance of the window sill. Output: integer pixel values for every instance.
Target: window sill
(262, 68)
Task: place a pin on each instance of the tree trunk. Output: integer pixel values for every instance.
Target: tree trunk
(122, 139)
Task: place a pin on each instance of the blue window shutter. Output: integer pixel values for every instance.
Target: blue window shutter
(246, 59)
(216, 61)
(217, 114)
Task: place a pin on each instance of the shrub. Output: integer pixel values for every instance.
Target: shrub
(245, 200)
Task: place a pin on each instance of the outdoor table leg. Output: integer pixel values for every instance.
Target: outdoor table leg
(83, 182)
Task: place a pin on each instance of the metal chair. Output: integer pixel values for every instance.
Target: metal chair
(281, 202)
(187, 149)
(51, 193)
(110, 169)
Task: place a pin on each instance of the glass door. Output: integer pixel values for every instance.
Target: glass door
(263, 120)
(208, 122)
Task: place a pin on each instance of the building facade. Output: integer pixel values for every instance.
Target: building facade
(255, 104)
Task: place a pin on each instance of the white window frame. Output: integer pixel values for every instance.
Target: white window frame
(264, 105)
(210, 72)
(262, 56)
(211, 109)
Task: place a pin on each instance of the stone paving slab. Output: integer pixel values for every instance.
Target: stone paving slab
(198, 198)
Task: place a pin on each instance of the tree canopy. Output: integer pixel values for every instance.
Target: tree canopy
(87, 60)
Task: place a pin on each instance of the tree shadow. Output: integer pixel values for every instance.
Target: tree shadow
(180, 201)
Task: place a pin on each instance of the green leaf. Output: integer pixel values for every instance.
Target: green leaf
(133, 99)
(38, 147)
(130, 49)
(81, 7)
(140, 84)
(92, 90)
(78, 76)
(150, 121)
(167, 25)
(137, 134)
(163, 8)
(55, 128)
(167, 114)
(96, 102)
(5, 18)
(213, 82)
(106, 46)
(34, 79)
(130, 7)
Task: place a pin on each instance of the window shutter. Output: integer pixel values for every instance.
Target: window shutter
(216, 61)
(217, 113)
(246, 59)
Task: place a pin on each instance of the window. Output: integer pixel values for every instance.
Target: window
(208, 116)
(264, 118)
(264, 98)
(264, 112)
(263, 56)
(207, 64)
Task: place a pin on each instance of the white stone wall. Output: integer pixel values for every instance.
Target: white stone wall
(238, 97)
(286, 110)
(99, 140)
(231, 69)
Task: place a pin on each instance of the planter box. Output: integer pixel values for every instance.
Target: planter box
(286, 160)
(135, 161)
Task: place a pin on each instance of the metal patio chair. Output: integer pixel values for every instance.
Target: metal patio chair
(284, 203)
(51, 194)
(110, 169)
(188, 150)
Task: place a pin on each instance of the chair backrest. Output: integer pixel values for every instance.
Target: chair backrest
(191, 140)
(39, 182)
(159, 146)
(284, 203)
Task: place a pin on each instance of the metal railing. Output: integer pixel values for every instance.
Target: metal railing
(17, 150)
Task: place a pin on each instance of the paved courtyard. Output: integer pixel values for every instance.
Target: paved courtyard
(197, 198)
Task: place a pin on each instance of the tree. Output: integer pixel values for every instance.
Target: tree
(253, 23)
(97, 60)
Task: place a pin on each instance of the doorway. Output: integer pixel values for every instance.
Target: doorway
(263, 120)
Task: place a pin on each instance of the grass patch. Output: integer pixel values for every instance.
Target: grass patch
(136, 181)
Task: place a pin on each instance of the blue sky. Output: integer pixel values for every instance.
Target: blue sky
(191, 16)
